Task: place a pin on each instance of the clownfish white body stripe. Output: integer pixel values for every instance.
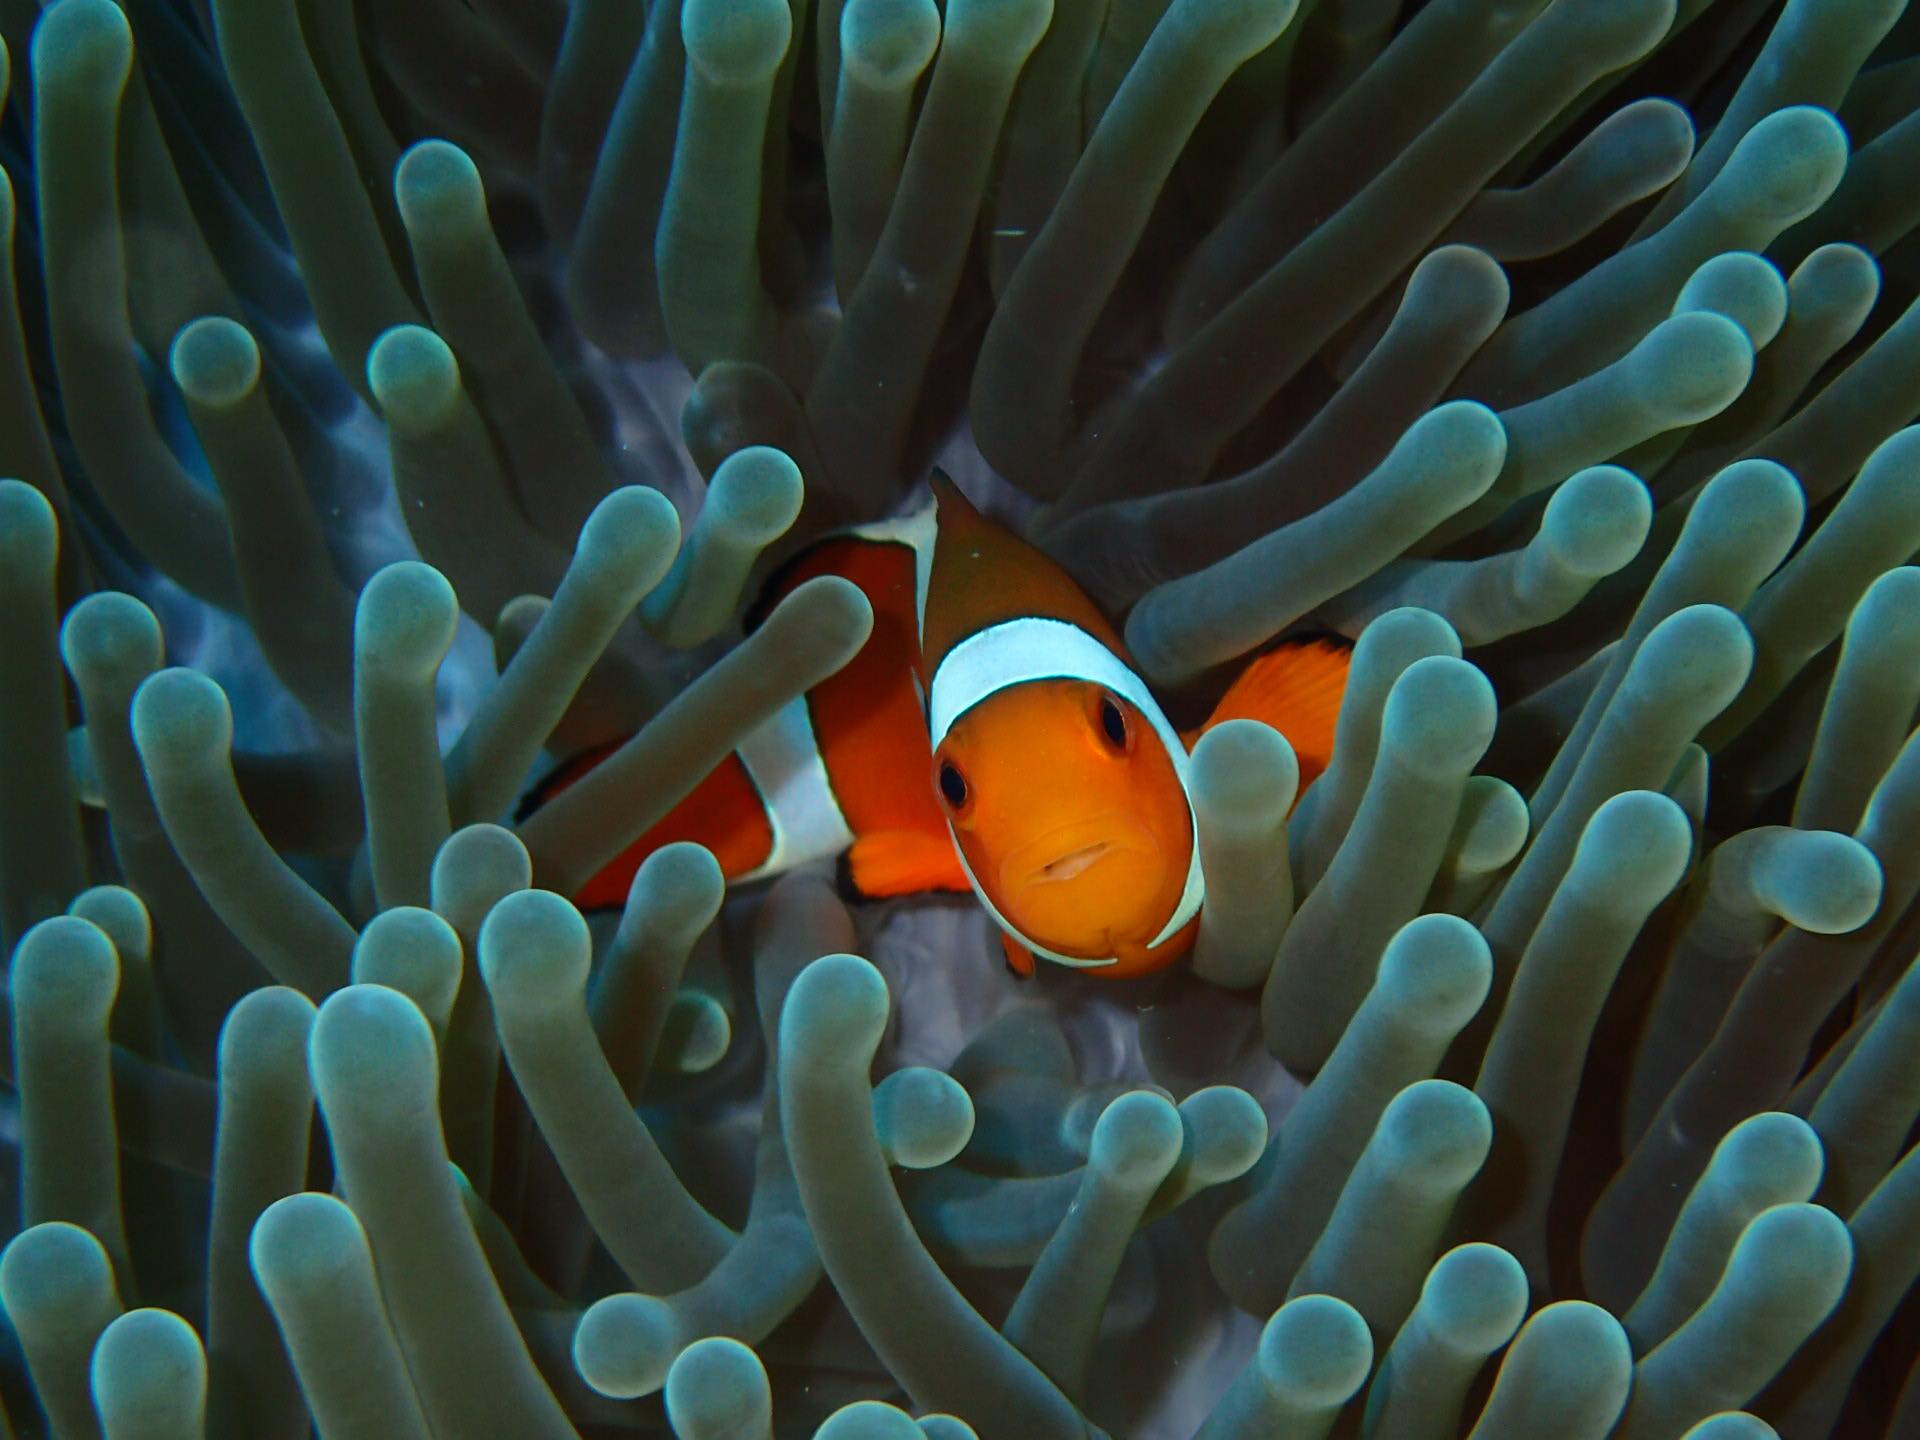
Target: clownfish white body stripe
(782, 759)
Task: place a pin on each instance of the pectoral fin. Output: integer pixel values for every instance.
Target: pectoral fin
(1296, 688)
(1019, 958)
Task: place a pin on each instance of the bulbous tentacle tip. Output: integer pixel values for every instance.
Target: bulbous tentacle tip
(437, 183)
(372, 1052)
(413, 377)
(1568, 1330)
(1396, 638)
(717, 1389)
(626, 1345)
(121, 914)
(146, 1364)
(887, 43)
(181, 720)
(66, 973)
(1798, 1247)
(1012, 27)
(483, 859)
(1137, 1139)
(684, 870)
(1228, 1130)
(1746, 288)
(1460, 435)
(835, 610)
(699, 1030)
(414, 951)
(1477, 1293)
(1732, 1425)
(1437, 1134)
(634, 527)
(1247, 771)
(303, 1242)
(1692, 366)
(736, 42)
(1493, 828)
(1440, 968)
(1775, 1144)
(1597, 520)
(406, 619)
(869, 1420)
(29, 533)
(85, 45)
(758, 491)
(1703, 654)
(535, 950)
(111, 634)
(1440, 715)
(54, 1267)
(1787, 165)
(215, 361)
(1637, 843)
(273, 1020)
(924, 1117)
(1833, 887)
(836, 1011)
(1315, 1351)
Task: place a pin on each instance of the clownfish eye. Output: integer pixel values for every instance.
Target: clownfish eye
(1113, 722)
(953, 785)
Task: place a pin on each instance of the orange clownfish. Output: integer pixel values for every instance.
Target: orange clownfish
(992, 735)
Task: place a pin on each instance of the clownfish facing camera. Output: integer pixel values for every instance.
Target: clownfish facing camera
(991, 736)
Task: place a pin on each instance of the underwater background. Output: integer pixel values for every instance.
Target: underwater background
(397, 398)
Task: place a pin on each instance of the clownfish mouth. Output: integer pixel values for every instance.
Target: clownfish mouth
(1074, 862)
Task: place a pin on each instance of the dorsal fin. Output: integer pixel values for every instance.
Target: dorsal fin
(913, 530)
(984, 574)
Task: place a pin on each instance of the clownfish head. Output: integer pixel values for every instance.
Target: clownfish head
(1073, 822)
(1062, 782)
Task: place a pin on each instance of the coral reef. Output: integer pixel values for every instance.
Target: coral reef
(398, 398)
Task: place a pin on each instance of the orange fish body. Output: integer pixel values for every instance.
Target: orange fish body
(992, 735)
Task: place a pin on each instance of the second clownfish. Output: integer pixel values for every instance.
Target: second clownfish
(992, 735)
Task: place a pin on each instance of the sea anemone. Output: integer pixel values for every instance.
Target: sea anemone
(1546, 1067)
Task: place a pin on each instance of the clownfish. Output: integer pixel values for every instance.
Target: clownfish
(992, 735)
